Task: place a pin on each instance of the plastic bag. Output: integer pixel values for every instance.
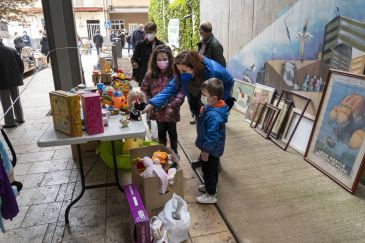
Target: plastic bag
(176, 219)
(154, 130)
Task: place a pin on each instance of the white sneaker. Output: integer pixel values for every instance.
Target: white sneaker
(207, 199)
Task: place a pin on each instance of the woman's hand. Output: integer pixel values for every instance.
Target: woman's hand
(148, 108)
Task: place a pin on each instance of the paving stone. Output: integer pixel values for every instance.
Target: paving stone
(74, 175)
(91, 196)
(223, 237)
(200, 225)
(17, 221)
(61, 193)
(58, 177)
(69, 191)
(29, 181)
(29, 148)
(116, 204)
(42, 214)
(30, 196)
(50, 233)
(21, 169)
(86, 239)
(191, 189)
(48, 166)
(63, 154)
(25, 235)
(70, 164)
(119, 234)
(58, 233)
(36, 157)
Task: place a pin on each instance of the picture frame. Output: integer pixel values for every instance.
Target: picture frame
(242, 92)
(285, 107)
(300, 139)
(336, 146)
(262, 94)
(266, 118)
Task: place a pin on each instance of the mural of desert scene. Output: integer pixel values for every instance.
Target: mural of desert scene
(302, 43)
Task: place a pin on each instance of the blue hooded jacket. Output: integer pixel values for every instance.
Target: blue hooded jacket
(212, 70)
(211, 130)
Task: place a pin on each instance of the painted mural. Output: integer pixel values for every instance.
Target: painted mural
(299, 48)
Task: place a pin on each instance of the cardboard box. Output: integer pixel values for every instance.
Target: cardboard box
(149, 187)
(65, 109)
(140, 223)
(87, 150)
(102, 65)
(93, 118)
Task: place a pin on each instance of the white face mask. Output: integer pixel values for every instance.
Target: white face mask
(151, 36)
(204, 100)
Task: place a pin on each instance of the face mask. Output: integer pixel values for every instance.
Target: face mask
(162, 64)
(204, 100)
(151, 36)
(184, 77)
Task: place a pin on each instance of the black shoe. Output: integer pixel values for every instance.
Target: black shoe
(18, 185)
(19, 121)
(192, 121)
(10, 126)
(196, 163)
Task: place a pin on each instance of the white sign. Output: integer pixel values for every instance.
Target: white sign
(173, 32)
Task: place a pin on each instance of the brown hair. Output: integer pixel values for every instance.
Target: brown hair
(153, 70)
(206, 27)
(150, 27)
(214, 87)
(193, 60)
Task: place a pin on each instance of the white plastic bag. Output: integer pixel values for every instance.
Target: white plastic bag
(154, 131)
(176, 219)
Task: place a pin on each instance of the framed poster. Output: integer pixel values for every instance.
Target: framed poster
(284, 105)
(242, 91)
(336, 145)
(262, 94)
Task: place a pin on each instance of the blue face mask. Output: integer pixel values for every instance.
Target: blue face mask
(184, 77)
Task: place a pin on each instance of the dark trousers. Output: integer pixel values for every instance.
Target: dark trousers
(98, 49)
(194, 104)
(7, 97)
(210, 174)
(170, 127)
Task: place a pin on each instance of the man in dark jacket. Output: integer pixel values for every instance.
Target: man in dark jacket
(209, 46)
(18, 43)
(137, 36)
(143, 52)
(26, 39)
(98, 41)
(11, 76)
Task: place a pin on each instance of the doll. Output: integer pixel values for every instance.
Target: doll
(136, 101)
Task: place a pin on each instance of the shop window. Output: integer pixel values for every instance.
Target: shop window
(117, 24)
(132, 27)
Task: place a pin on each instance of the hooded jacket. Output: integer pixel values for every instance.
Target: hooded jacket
(211, 129)
(212, 70)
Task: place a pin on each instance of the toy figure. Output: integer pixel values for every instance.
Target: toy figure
(124, 105)
(136, 101)
(159, 157)
(124, 121)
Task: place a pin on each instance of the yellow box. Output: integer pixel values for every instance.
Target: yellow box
(66, 112)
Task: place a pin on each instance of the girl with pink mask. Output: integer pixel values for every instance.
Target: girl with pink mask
(159, 74)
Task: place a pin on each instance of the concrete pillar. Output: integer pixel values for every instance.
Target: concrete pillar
(60, 27)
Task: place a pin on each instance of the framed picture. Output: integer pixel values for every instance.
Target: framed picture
(285, 106)
(242, 91)
(336, 146)
(262, 94)
(265, 119)
(299, 141)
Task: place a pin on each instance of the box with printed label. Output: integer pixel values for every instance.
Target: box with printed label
(93, 118)
(65, 108)
(140, 223)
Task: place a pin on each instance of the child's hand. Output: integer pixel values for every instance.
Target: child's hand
(204, 156)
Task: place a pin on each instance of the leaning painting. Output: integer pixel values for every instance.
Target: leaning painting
(337, 145)
(261, 94)
(242, 91)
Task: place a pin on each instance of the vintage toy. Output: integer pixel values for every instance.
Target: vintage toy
(136, 101)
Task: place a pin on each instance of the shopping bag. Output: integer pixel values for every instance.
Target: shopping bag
(154, 130)
(176, 219)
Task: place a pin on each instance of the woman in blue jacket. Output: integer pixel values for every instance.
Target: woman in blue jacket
(191, 70)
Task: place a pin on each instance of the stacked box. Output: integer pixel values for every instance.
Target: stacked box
(93, 118)
(102, 65)
(149, 188)
(65, 109)
(140, 223)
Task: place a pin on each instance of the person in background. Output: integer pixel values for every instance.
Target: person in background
(209, 46)
(143, 52)
(137, 36)
(129, 42)
(18, 43)
(26, 39)
(121, 36)
(159, 74)
(98, 41)
(211, 138)
(45, 47)
(11, 76)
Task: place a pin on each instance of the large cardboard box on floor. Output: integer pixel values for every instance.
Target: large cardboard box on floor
(149, 188)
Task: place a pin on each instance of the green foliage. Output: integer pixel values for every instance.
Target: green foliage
(189, 37)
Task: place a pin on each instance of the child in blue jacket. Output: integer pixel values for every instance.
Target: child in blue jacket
(211, 136)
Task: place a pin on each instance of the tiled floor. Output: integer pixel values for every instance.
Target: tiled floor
(50, 179)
